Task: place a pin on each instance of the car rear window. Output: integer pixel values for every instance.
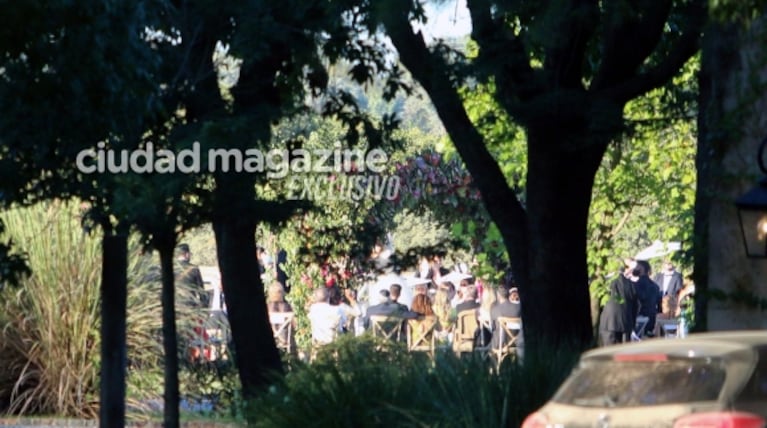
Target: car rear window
(637, 382)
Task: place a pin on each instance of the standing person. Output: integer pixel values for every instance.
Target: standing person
(189, 275)
(281, 275)
(619, 314)
(648, 295)
(670, 281)
(436, 270)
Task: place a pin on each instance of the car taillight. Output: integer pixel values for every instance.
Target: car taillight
(536, 420)
(720, 420)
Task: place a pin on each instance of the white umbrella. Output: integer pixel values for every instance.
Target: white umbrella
(414, 280)
(455, 278)
(658, 249)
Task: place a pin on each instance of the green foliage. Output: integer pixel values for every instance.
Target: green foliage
(361, 382)
(413, 232)
(739, 11)
(49, 352)
(505, 139)
(646, 192)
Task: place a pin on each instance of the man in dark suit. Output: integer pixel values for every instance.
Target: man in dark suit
(619, 314)
(395, 290)
(469, 300)
(669, 281)
(507, 306)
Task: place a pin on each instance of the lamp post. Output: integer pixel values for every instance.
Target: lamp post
(752, 212)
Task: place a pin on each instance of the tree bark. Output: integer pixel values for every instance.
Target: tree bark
(556, 294)
(114, 291)
(718, 58)
(169, 338)
(255, 351)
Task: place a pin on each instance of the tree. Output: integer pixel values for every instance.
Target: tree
(57, 102)
(279, 69)
(564, 71)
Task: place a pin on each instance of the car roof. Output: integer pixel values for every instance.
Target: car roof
(700, 344)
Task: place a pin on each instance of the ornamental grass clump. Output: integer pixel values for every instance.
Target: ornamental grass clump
(49, 325)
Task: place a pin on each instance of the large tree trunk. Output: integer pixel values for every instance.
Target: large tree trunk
(169, 338)
(114, 292)
(256, 354)
(718, 58)
(556, 296)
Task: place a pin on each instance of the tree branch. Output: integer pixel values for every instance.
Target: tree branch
(564, 58)
(683, 49)
(629, 38)
(431, 71)
(501, 53)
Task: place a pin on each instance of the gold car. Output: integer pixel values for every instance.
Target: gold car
(705, 380)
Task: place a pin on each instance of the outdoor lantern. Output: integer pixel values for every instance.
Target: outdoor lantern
(752, 212)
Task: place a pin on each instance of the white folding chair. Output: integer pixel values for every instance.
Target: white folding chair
(670, 329)
(641, 324)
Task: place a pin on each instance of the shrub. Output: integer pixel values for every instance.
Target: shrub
(361, 382)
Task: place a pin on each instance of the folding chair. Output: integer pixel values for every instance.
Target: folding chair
(463, 335)
(641, 324)
(420, 334)
(386, 326)
(282, 328)
(509, 330)
(669, 328)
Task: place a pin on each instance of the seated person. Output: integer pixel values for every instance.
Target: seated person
(275, 299)
(325, 318)
(387, 307)
(422, 305)
(395, 290)
(469, 301)
(508, 306)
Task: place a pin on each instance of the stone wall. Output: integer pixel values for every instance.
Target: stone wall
(729, 269)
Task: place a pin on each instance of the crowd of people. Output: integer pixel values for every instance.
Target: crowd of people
(432, 295)
(637, 301)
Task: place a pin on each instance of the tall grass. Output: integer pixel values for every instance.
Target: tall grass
(363, 383)
(49, 341)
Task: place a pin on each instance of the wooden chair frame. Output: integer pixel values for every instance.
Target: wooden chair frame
(463, 335)
(282, 328)
(386, 326)
(421, 334)
(509, 330)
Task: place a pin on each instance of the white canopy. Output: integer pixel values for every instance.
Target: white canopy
(658, 249)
